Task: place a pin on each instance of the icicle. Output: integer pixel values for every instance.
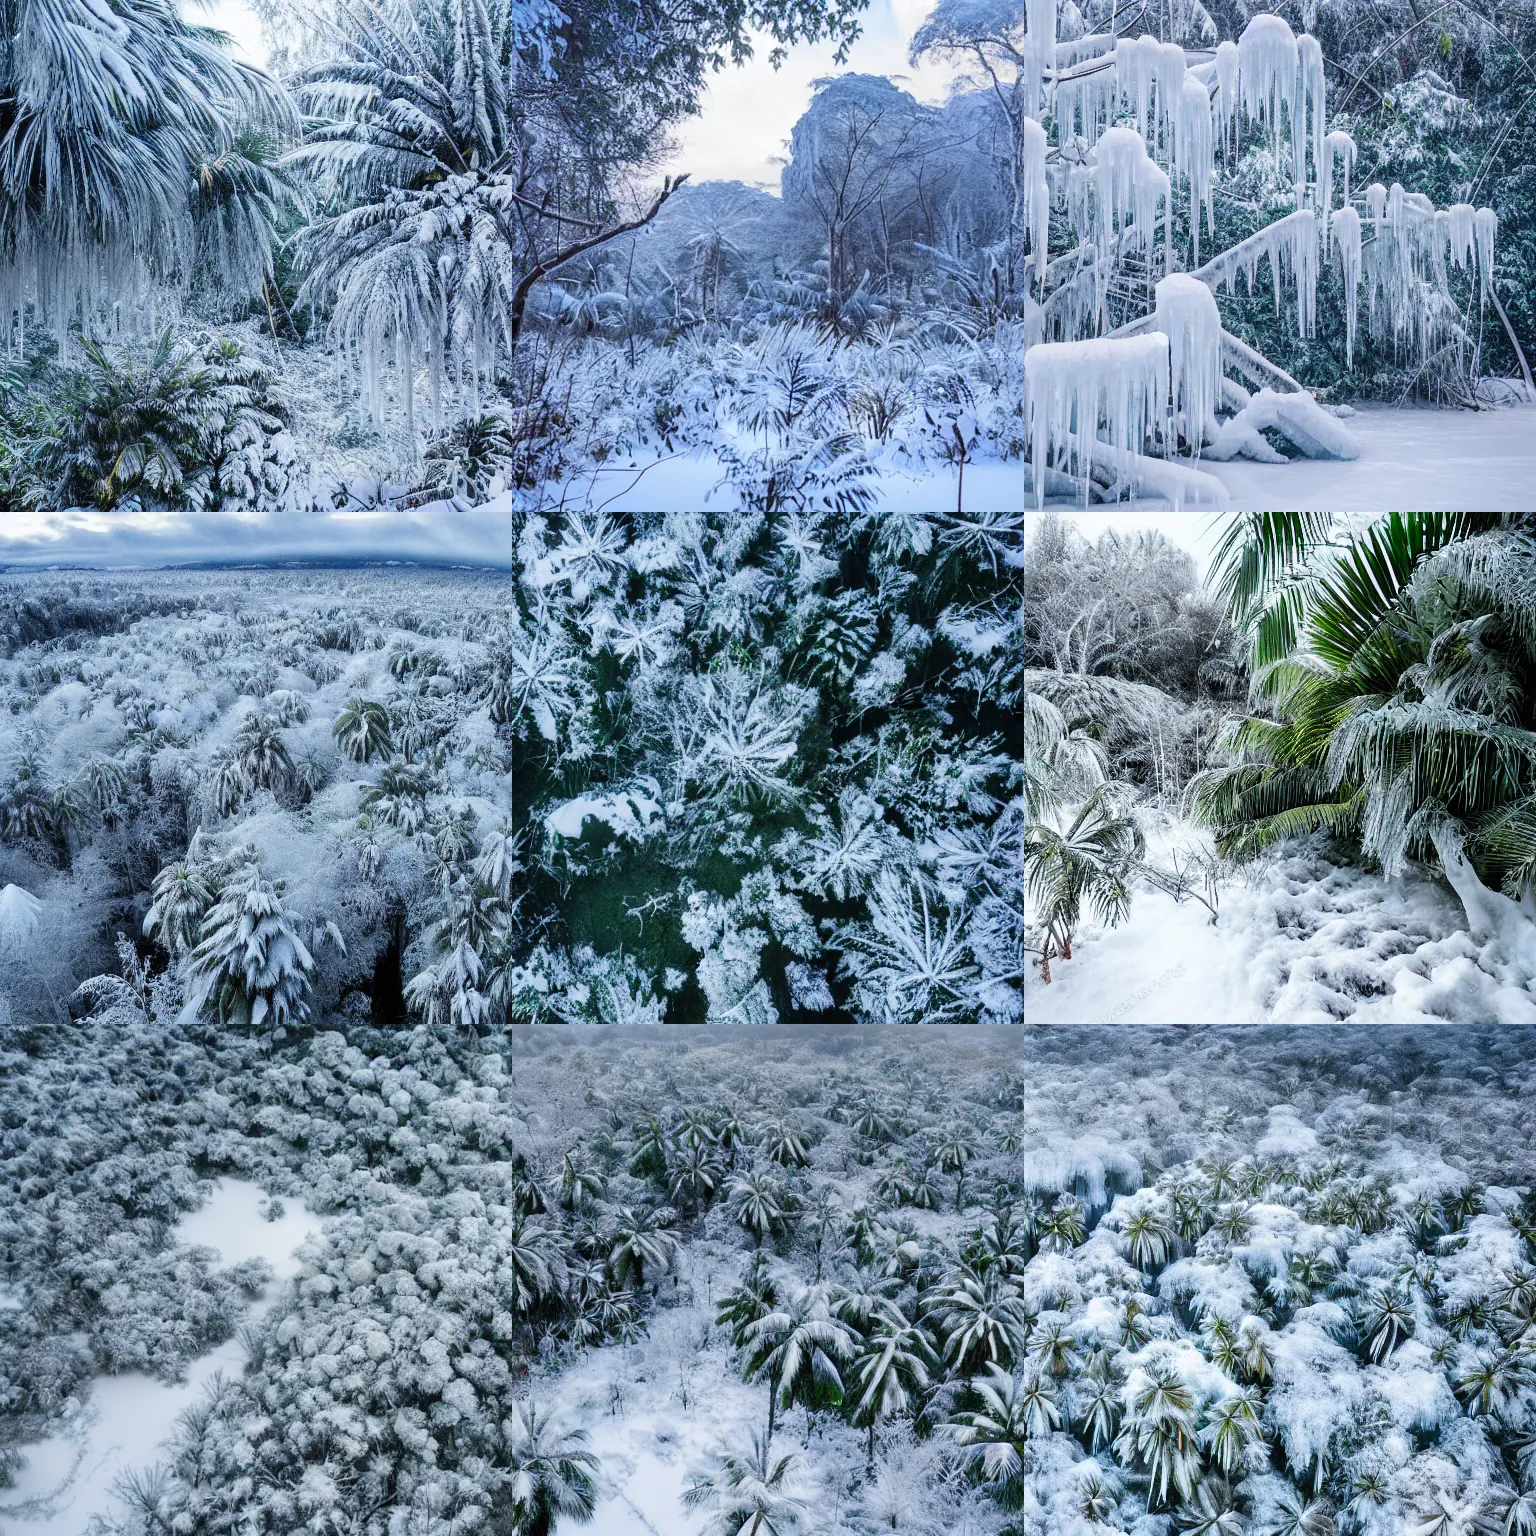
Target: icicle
(1291, 241)
(1485, 229)
(1311, 90)
(1195, 156)
(1136, 65)
(1073, 386)
(1346, 236)
(1269, 71)
(1336, 145)
(1375, 201)
(1128, 187)
(1170, 92)
(1228, 103)
(1459, 217)
(1187, 315)
(1037, 193)
(1039, 52)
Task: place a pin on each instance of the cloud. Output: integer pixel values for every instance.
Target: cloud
(439, 535)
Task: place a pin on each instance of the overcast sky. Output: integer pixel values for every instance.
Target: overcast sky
(1198, 532)
(748, 111)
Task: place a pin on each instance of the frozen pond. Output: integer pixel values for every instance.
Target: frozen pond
(68, 1479)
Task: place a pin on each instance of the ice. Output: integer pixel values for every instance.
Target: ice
(1074, 387)
(1039, 51)
(1290, 244)
(1269, 75)
(67, 1480)
(1186, 314)
(1037, 194)
(1485, 229)
(1311, 94)
(1346, 237)
(1228, 101)
(1194, 154)
(1337, 146)
(1128, 186)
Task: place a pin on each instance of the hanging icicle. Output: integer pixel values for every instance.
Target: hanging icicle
(1195, 156)
(1309, 103)
(1269, 71)
(1037, 194)
(1228, 102)
(1075, 387)
(1337, 145)
(1186, 314)
(1039, 53)
(1346, 236)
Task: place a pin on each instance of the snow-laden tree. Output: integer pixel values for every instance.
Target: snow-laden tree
(1125, 117)
(250, 961)
(468, 152)
(133, 152)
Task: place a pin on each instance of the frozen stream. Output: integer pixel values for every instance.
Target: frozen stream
(68, 1479)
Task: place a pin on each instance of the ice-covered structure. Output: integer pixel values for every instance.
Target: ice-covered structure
(1139, 122)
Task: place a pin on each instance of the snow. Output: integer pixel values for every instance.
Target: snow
(18, 917)
(1430, 460)
(1286, 1136)
(68, 1479)
(1299, 417)
(1187, 315)
(626, 814)
(1303, 942)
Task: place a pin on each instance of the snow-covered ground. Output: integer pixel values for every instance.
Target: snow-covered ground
(1426, 460)
(68, 1479)
(1297, 941)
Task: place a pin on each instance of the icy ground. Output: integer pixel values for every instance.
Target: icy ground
(1430, 461)
(68, 1480)
(1297, 941)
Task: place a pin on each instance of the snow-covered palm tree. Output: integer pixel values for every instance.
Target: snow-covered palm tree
(640, 1245)
(1158, 1432)
(548, 1474)
(991, 1437)
(133, 148)
(891, 1368)
(800, 1348)
(748, 1493)
(183, 893)
(439, 234)
(250, 959)
(981, 1318)
(362, 730)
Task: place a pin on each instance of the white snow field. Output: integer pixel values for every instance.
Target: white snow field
(1298, 940)
(68, 1479)
(1419, 460)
